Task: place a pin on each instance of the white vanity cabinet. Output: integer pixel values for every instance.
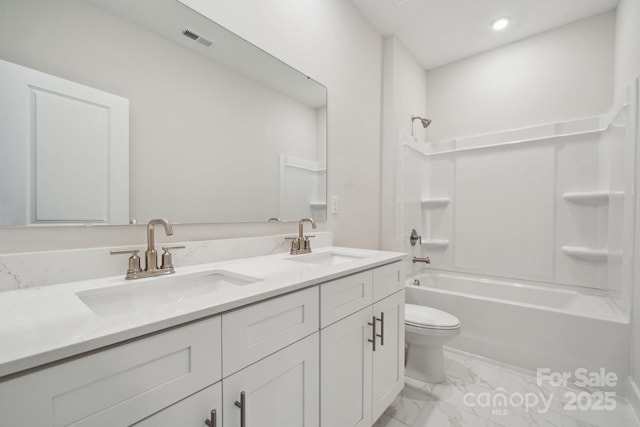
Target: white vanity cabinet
(328, 354)
(121, 385)
(359, 383)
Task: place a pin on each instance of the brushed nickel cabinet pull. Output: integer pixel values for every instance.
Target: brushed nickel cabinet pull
(243, 409)
(373, 325)
(381, 334)
(213, 421)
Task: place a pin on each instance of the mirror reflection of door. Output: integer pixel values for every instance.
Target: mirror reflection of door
(64, 149)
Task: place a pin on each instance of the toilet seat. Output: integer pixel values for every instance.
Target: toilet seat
(422, 317)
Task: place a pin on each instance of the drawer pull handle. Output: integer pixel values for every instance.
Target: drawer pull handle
(381, 334)
(243, 407)
(373, 325)
(213, 421)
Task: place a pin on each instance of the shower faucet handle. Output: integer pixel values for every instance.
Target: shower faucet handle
(415, 237)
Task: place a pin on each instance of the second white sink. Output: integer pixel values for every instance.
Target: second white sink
(138, 296)
(325, 258)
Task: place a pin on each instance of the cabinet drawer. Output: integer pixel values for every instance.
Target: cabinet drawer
(387, 280)
(256, 331)
(342, 297)
(120, 385)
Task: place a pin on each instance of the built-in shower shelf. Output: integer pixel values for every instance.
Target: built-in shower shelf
(437, 202)
(435, 244)
(588, 197)
(589, 254)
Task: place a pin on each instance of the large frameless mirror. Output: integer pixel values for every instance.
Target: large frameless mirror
(117, 111)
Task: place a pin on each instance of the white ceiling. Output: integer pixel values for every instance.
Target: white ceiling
(438, 32)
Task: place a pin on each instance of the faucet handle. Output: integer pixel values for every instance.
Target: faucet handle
(296, 244)
(167, 261)
(133, 252)
(306, 244)
(415, 237)
(134, 261)
(168, 248)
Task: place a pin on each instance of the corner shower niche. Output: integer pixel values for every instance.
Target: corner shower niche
(550, 204)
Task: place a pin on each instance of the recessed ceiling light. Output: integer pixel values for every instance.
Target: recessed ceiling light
(500, 24)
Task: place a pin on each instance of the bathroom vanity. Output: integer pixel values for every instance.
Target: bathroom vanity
(277, 340)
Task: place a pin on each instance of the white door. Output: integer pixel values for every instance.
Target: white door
(346, 358)
(193, 411)
(64, 151)
(388, 359)
(280, 390)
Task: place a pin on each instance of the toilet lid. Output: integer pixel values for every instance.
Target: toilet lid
(429, 317)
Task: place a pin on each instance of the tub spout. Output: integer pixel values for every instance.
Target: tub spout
(426, 260)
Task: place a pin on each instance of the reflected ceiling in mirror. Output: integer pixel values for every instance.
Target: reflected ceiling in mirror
(219, 131)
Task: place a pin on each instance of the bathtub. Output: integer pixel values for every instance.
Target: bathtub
(529, 325)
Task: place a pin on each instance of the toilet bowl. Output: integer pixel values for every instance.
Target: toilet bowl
(426, 331)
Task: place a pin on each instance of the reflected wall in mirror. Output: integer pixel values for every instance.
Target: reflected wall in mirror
(218, 132)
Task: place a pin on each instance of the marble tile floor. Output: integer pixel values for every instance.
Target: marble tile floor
(469, 398)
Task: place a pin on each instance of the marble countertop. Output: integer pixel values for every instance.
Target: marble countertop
(49, 323)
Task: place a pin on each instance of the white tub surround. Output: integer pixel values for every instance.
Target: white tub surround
(530, 325)
(44, 324)
(552, 203)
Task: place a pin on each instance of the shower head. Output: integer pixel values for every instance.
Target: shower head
(424, 122)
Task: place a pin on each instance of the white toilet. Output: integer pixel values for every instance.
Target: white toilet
(426, 331)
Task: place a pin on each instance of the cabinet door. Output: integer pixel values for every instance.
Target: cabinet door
(388, 359)
(281, 390)
(190, 412)
(346, 358)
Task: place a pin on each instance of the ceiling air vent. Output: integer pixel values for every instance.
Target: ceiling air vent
(194, 36)
(190, 34)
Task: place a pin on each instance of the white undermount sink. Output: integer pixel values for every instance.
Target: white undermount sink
(152, 292)
(325, 258)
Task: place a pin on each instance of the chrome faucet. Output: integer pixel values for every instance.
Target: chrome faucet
(302, 244)
(151, 255)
